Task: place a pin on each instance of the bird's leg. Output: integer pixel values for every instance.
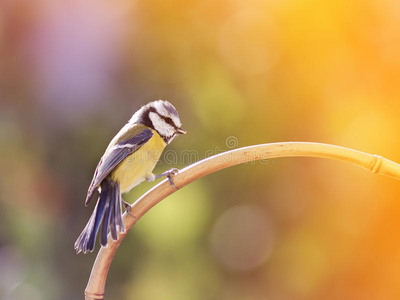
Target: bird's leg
(169, 174)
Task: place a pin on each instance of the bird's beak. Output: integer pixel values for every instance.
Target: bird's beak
(180, 131)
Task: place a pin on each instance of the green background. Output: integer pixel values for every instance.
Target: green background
(240, 73)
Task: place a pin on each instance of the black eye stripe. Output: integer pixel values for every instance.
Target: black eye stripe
(168, 121)
(144, 119)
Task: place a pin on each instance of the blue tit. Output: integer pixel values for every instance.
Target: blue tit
(128, 160)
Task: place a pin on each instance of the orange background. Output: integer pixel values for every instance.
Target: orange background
(73, 72)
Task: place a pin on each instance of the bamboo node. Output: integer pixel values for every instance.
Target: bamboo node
(90, 296)
(377, 164)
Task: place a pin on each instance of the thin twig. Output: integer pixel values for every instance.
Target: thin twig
(376, 164)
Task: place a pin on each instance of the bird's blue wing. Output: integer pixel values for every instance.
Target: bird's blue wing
(118, 153)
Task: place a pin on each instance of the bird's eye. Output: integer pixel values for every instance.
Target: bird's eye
(169, 121)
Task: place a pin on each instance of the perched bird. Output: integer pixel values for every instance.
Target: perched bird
(128, 160)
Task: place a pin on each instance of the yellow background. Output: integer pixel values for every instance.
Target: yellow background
(73, 72)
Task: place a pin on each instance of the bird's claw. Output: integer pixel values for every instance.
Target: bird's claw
(127, 208)
(169, 174)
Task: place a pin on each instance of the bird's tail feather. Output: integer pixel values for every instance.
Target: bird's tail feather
(116, 223)
(107, 213)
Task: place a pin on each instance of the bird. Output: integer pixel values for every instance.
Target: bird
(128, 160)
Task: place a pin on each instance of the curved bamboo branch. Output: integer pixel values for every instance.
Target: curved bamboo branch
(374, 163)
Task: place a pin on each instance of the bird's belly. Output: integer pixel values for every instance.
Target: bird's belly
(133, 169)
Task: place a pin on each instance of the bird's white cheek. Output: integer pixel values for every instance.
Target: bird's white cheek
(159, 124)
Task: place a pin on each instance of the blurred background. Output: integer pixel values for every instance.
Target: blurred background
(240, 73)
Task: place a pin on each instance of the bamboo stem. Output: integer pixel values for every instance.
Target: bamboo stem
(376, 164)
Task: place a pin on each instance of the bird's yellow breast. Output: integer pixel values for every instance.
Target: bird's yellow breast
(135, 167)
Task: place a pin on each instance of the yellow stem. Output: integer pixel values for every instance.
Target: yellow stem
(376, 164)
